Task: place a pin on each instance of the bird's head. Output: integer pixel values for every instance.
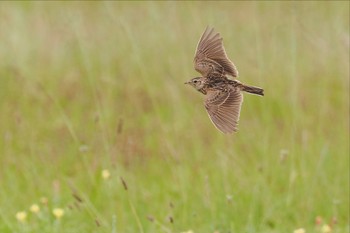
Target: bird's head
(197, 83)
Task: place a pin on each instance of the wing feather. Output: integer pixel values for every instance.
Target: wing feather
(224, 108)
(211, 55)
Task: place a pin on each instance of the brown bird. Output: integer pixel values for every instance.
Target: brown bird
(223, 95)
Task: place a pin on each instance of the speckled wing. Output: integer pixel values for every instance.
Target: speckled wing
(210, 55)
(224, 108)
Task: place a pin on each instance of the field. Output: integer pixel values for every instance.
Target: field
(100, 134)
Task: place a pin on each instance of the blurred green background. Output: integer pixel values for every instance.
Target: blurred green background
(93, 86)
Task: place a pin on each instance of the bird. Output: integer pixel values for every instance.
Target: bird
(223, 92)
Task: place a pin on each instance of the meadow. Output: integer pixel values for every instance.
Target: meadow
(100, 134)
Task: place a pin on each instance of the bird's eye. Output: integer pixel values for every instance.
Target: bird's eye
(195, 81)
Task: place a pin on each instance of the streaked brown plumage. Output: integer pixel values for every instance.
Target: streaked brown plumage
(223, 95)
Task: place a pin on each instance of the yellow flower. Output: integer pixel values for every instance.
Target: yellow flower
(105, 174)
(58, 212)
(34, 208)
(300, 230)
(21, 216)
(326, 229)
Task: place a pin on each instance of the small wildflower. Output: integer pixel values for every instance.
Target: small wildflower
(105, 174)
(58, 212)
(44, 200)
(21, 216)
(34, 208)
(334, 221)
(326, 229)
(318, 220)
(300, 230)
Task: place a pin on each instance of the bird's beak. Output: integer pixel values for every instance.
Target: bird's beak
(187, 82)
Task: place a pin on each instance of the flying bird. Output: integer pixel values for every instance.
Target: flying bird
(223, 92)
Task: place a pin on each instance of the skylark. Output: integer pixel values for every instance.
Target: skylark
(223, 99)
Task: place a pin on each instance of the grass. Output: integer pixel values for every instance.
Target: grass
(99, 85)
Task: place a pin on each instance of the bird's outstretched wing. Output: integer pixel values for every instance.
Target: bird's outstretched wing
(211, 57)
(223, 108)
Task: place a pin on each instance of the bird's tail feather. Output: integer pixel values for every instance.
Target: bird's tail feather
(253, 90)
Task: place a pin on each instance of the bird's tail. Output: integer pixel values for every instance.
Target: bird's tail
(253, 90)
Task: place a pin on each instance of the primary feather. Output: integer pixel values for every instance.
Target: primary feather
(211, 56)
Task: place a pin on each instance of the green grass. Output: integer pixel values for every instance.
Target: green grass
(99, 85)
